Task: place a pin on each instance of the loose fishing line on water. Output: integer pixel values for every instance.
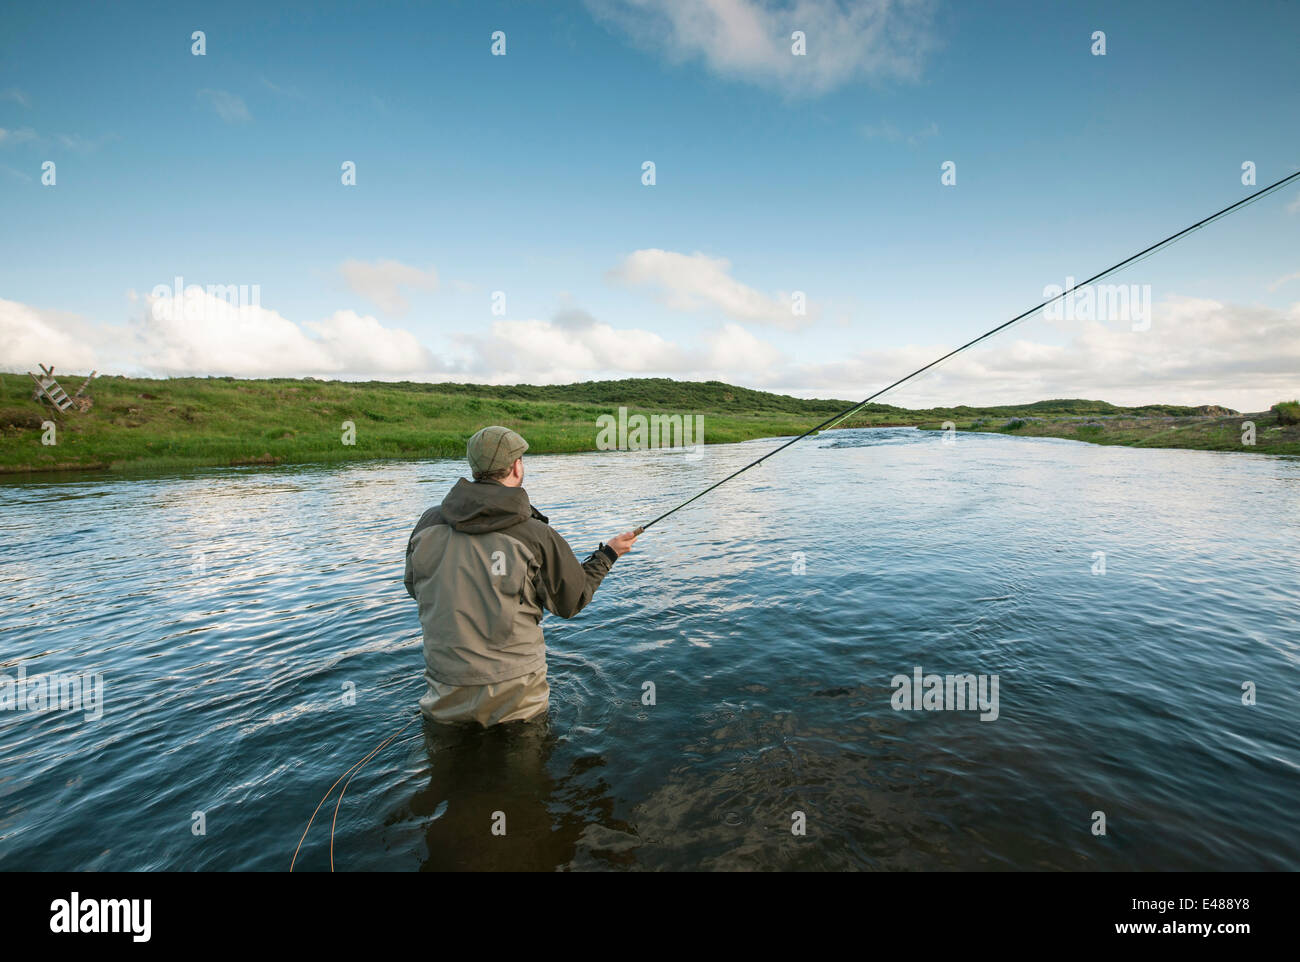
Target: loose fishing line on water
(830, 422)
(353, 770)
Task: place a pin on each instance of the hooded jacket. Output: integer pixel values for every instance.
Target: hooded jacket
(482, 566)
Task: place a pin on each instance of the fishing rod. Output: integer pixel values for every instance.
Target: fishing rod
(835, 419)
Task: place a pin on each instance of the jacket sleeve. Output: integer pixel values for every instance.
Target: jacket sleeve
(568, 585)
(432, 516)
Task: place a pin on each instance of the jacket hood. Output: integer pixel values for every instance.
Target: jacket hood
(476, 507)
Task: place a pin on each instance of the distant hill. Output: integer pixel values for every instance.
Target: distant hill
(720, 396)
(659, 392)
(1059, 407)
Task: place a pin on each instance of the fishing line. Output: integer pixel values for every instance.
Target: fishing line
(1151, 252)
(1126, 262)
(834, 419)
(1015, 322)
(349, 774)
(344, 790)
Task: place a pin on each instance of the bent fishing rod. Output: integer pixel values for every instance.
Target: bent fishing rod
(835, 419)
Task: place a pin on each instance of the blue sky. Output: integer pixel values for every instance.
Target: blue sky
(774, 174)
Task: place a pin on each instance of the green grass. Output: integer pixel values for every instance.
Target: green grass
(1288, 412)
(147, 425)
(1205, 432)
(143, 425)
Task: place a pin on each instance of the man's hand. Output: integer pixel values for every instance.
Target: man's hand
(623, 543)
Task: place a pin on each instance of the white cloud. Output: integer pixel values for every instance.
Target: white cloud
(1196, 352)
(381, 283)
(1294, 206)
(29, 336)
(69, 141)
(750, 40)
(199, 333)
(572, 346)
(17, 96)
(697, 281)
(229, 107)
(82, 144)
(18, 136)
(735, 351)
(1285, 279)
(360, 344)
(293, 93)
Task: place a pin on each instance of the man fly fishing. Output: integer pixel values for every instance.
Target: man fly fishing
(482, 566)
(485, 563)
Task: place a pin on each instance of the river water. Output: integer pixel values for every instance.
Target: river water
(254, 641)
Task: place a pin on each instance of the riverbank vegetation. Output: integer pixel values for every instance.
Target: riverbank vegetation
(147, 425)
(1269, 432)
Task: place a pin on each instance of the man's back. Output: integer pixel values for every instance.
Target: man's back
(483, 566)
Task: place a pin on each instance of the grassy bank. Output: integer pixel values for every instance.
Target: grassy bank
(1274, 433)
(146, 425)
(143, 425)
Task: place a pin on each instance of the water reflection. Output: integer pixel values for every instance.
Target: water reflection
(492, 802)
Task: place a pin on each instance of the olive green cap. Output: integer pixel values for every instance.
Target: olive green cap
(494, 449)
